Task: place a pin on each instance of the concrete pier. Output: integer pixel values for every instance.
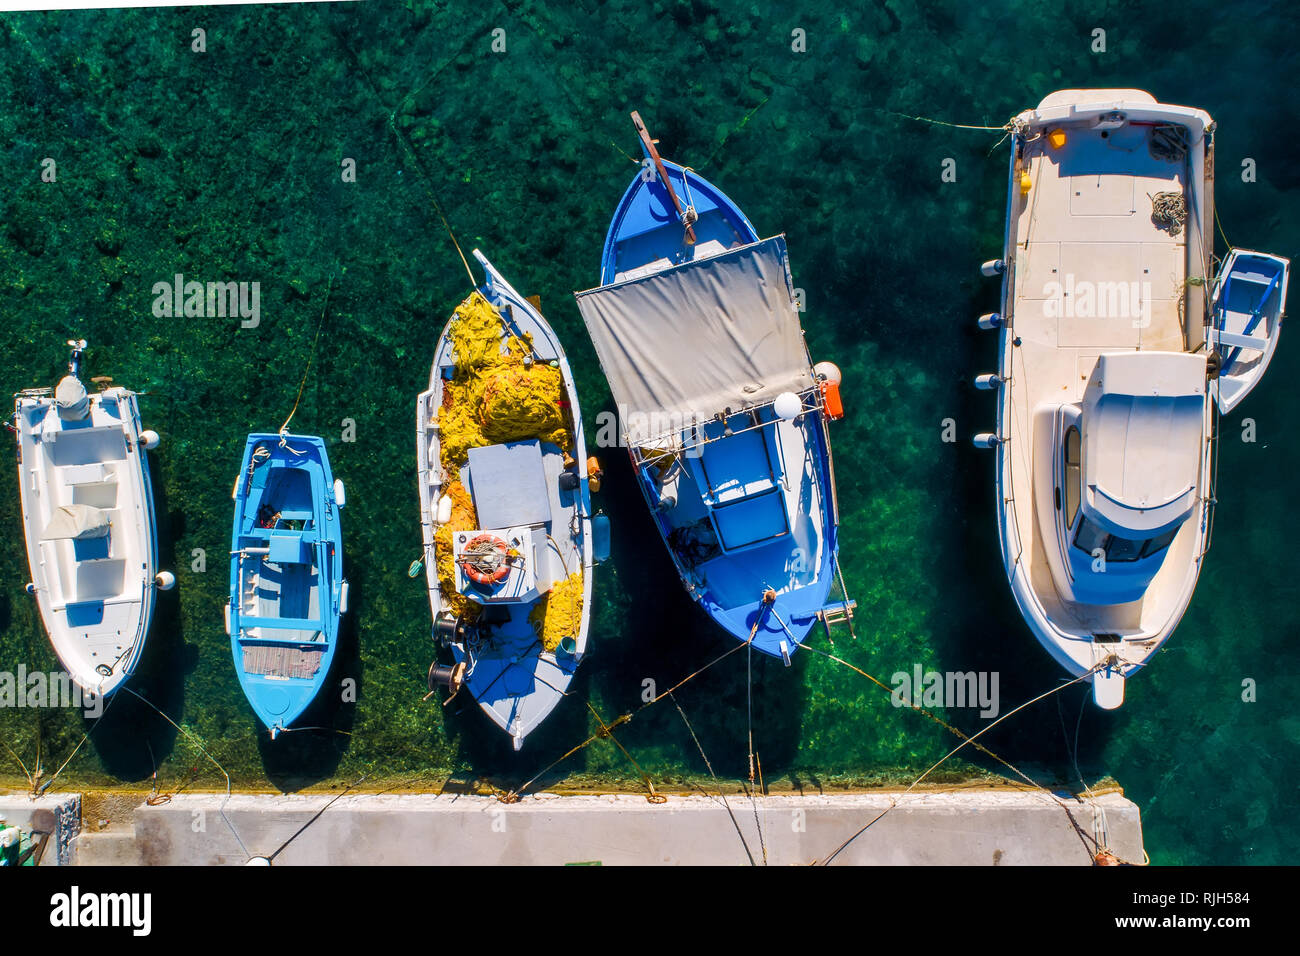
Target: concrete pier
(56, 814)
(968, 826)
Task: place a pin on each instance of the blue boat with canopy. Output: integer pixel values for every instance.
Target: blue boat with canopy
(287, 590)
(722, 410)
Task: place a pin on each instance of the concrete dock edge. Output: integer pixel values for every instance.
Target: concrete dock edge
(966, 827)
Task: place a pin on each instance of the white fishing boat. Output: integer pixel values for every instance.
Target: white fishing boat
(1107, 374)
(510, 541)
(88, 515)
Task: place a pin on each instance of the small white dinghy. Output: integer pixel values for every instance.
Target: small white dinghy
(1248, 303)
(89, 520)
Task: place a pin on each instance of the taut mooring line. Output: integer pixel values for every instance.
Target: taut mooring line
(971, 740)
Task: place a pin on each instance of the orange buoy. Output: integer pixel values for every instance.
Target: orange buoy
(831, 400)
(594, 473)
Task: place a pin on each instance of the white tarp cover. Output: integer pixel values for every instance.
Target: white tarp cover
(699, 338)
(76, 521)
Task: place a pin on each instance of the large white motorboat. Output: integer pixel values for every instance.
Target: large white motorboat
(1115, 346)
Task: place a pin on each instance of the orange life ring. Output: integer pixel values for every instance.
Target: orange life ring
(482, 547)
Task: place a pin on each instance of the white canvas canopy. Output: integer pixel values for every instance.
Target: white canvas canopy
(694, 340)
(76, 521)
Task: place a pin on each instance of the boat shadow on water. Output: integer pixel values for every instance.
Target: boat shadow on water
(310, 751)
(131, 738)
(995, 640)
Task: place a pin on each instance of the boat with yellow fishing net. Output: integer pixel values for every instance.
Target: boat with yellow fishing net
(505, 502)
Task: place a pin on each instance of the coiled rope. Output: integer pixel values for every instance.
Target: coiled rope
(1169, 209)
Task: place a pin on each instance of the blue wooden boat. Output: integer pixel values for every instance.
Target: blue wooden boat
(287, 589)
(723, 412)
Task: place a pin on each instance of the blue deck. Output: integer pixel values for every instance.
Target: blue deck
(645, 225)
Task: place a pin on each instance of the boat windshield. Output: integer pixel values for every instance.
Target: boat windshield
(1091, 538)
(1072, 476)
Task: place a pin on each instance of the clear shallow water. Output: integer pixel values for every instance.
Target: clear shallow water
(226, 165)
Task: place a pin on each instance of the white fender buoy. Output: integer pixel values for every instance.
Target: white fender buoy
(988, 381)
(258, 861)
(994, 267)
(986, 440)
(149, 439)
(444, 509)
(226, 608)
(340, 493)
(991, 320)
(827, 372)
(30, 588)
(343, 598)
(165, 580)
(788, 406)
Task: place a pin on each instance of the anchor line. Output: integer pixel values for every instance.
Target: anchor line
(1005, 127)
(284, 429)
(405, 144)
(734, 822)
(202, 750)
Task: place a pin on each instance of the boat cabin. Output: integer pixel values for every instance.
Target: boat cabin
(1125, 472)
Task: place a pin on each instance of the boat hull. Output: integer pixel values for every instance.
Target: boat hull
(799, 567)
(96, 595)
(287, 590)
(1045, 358)
(516, 681)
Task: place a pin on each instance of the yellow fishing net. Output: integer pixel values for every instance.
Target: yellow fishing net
(463, 518)
(496, 396)
(559, 613)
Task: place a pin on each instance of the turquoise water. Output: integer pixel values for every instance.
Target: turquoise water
(225, 165)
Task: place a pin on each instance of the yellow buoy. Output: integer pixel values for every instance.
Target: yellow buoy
(1025, 183)
(1056, 138)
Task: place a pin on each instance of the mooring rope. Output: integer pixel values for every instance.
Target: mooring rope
(49, 783)
(316, 816)
(284, 429)
(700, 747)
(203, 750)
(512, 796)
(971, 740)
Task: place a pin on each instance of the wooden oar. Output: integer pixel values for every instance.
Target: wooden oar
(649, 146)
